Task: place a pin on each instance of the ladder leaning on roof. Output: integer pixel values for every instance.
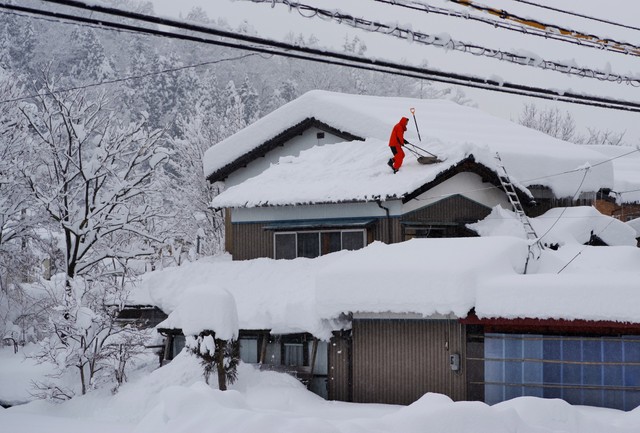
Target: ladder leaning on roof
(535, 248)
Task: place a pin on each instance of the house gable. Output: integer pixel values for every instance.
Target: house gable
(279, 140)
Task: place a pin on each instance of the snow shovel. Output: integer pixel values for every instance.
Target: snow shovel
(433, 159)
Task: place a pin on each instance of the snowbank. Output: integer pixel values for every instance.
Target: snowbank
(174, 399)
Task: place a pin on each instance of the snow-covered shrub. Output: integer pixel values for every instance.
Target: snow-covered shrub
(221, 356)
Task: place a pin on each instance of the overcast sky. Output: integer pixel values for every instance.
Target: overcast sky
(278, 21)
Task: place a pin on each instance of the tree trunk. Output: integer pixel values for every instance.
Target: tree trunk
(222, 374)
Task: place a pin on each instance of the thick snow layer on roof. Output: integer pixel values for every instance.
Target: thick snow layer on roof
(626, 166)
(446, 129)
(425, 276)
(269, 294)
(559, 226)
(635, 224)
(565, 296)
(421, 276)
(339, 172)
(195, 313)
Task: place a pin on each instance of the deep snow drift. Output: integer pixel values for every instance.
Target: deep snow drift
(174, 399)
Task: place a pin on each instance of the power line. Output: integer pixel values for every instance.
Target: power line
(540, 30)
(448, 43)
(623, 47)
(575, 14)
(254, 43)
(528, 181)
(128, 78)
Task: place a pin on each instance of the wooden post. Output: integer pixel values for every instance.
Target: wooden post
(314, 351)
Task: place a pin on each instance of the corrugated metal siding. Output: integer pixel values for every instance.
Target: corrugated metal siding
(397, 361)
(380, 230)
(339, 375)
(251, 241)
(457, 209)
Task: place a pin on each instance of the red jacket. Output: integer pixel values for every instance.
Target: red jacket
(397, 134)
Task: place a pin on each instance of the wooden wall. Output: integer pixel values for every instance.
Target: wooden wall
(397, 361)
(455, 209)
(250, 241)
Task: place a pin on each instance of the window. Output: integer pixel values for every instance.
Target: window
(590, 371)
(312, 244)
(285, 244)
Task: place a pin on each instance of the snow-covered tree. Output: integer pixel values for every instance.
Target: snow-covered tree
(550, 121)
(92, 174)
(17, 42)
(231, 109)
(16, 223)
(250, 101)
(215, 354)
(90, 62)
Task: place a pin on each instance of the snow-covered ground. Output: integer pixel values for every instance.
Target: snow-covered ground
(175, 399)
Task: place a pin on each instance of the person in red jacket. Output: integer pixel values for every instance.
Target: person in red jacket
(396, 141)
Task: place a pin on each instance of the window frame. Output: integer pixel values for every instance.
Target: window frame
(319, 233)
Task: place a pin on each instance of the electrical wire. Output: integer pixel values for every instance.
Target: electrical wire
(585, 247)
(565, 209)
(129, 77)
(617, 45)
(575, 14)
(253, 43)
(447, 43)
(540, 30)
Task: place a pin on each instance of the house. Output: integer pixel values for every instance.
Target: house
(456, 316)
(623, 200)
(375, 287)
(311, 177)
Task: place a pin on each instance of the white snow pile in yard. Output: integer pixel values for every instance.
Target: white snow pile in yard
(531, 157)
(425, 276)
(626, 166)
(559, 226)
(195, 313)
(174, 399)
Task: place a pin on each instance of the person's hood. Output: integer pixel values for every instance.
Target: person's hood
(404, 122)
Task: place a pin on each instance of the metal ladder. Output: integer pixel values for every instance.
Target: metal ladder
(509, 189)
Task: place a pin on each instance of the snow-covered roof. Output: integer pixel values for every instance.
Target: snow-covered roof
(626, 167)
(565, 225)
(342, 172)
(421, 276)
(447, 129)
(635, 224)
